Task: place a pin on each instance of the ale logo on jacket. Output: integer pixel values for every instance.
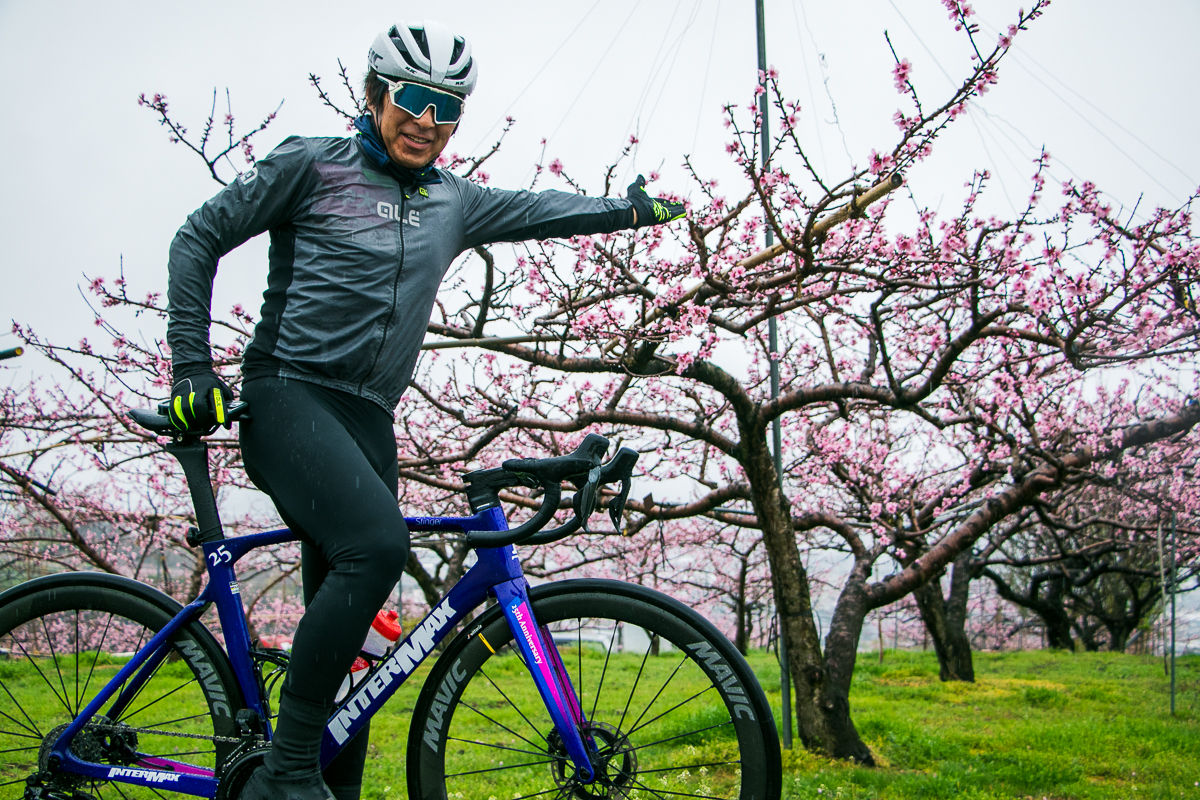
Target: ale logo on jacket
(394, 211)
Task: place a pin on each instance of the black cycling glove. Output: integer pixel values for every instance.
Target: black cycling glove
(198, 400)
(650, 210)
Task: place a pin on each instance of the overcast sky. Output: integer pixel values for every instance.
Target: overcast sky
(90, 179)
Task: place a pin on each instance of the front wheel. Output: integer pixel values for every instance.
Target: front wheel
(673, 708)
(62, 638)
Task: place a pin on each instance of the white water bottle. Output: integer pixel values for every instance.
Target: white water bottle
(384, 632)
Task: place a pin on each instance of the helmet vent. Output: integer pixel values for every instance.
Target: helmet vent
(422, 42)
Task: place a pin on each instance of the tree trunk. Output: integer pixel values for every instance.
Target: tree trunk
(945, 620)
(1058, 632)
(822, 693)
(1056, 622)
(841, 652)
(1118, 636)
(950, 643)
(1055, 617)
(961, 575)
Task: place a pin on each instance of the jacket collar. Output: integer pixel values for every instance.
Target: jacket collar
(372, 145)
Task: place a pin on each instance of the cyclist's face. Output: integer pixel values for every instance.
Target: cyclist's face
(411, 141)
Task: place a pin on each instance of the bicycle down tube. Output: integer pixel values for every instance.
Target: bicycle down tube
(222, 591)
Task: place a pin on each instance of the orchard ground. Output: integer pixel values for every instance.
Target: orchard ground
(1035, 724)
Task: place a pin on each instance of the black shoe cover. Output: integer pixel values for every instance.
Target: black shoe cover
(263, 786)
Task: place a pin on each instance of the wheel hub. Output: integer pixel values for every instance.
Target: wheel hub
(615, 764)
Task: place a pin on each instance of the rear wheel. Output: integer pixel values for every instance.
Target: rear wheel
(672, 707)
(62, 638)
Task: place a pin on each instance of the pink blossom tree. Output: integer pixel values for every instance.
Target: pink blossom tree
(936, 381)
(86, 489)
(1085, 563)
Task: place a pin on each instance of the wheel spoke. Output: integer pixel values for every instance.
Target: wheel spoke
(504, 727)
(604, 670)
(675, 707)
(31, 727)
(505, 748)
(637, 681)
(513, 706)
(485, 770)
(161, 698)
(679, 736)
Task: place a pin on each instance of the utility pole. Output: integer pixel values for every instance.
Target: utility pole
(1174, 561)
(785, 678)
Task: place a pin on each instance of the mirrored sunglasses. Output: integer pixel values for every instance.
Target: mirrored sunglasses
(415, 98)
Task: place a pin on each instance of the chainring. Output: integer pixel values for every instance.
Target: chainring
(236, 770)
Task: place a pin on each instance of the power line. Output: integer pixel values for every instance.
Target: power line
(825, 79)
(1101, 131)
(707, 71)
(595, 68)
(1022, 56)
(995, 120)
(549, 60)
(657, 79)
(812, 93)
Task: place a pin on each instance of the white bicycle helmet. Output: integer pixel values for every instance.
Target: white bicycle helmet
(427, 53)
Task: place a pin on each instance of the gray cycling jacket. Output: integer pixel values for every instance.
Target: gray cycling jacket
(354, 263)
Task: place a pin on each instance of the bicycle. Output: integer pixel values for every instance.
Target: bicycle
(111, 685)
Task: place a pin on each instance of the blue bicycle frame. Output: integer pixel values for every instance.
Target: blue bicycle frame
(497, 573)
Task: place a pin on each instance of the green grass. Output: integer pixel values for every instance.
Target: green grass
(33, 699)
(1059, 726)
(1033, 725)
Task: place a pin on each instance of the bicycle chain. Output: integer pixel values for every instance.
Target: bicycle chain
(114, 728)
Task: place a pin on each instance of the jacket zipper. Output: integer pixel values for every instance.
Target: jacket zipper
(387, 323)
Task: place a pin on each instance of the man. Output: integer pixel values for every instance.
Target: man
(362, 231)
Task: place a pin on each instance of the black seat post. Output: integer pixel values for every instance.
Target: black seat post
(192, 454)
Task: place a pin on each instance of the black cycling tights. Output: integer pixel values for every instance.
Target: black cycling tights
(328, 460)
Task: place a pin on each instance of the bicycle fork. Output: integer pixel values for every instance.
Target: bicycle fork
(550, 675)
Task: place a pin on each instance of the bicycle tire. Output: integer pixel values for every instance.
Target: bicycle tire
(675, 710)
(62, 638)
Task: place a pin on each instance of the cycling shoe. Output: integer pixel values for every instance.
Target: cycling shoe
(264, 786)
